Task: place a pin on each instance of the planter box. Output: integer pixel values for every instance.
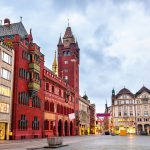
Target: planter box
(53, 141)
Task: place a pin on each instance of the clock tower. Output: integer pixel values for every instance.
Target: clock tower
(68, 67)
(68, 59)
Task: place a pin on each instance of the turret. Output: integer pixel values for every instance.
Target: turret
(113, 96)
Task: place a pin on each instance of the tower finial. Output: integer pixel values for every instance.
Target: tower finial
(68, 22)
(31, 31)
(20, 18)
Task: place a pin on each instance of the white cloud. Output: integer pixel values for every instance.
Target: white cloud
(113, 37)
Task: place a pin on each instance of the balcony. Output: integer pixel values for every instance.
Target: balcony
(34, 66)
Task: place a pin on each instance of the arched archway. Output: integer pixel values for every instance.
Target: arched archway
(139, 128)
(60, 128)
(66, 128)
(146, 128)
(71, 128)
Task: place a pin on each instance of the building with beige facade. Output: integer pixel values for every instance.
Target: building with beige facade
(6, 88)
(84, 109)
(131, 112)
(92, 119)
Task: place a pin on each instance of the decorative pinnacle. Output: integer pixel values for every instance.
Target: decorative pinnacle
(20, 18)
(68, 22)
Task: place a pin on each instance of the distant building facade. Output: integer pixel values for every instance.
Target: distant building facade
(131, 112)
(6, 89)
(84, 111)
(92, 118)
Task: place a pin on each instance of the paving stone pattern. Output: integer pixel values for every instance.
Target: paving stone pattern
(93, 142)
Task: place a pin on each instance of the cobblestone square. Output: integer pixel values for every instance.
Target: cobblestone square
(92, 142)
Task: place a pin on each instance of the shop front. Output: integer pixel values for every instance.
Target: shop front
(3, 131)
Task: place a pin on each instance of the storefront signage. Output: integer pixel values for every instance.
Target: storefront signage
(102, 114)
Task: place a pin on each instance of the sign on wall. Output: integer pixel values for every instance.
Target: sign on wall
(4, 108)
(72, 116)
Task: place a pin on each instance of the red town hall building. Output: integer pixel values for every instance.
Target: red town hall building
(62, 91)
(42, 99)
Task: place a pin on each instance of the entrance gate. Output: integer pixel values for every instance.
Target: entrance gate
(59, 128)
(66, 128)
(71, 126)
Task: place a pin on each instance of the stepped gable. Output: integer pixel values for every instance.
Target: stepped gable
(124, 91)
(12, 29)
(143, 89)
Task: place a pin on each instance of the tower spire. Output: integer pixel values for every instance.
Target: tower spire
(55, 65)
(30, 37)
(60, 41)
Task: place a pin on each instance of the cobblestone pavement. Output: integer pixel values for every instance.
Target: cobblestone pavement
(92, 142)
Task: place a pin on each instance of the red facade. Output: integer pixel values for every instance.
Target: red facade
(62, 92)
(28, 91)
(28, 94)
(42, 100)
(68, 67)
(59, 102)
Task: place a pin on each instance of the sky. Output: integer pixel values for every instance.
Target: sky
(113, 36)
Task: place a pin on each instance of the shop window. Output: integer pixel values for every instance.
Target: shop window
(119, 113)
(131, 113)
(125, 114)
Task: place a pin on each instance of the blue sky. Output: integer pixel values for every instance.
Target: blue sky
(113, 35)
